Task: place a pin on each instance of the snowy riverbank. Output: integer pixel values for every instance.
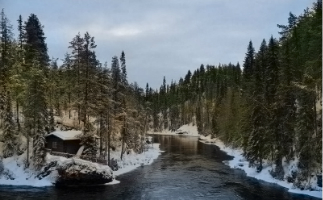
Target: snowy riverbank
(239, 162)
(12, 171)
(187, 129)
(132, 160)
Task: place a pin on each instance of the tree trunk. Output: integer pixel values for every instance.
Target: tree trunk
(101, 133)
(315, 114)
(17, 110)
(27, 161)
(144, 134)
(123, 137)
(109, 139)
(69, 104)
(122, 148)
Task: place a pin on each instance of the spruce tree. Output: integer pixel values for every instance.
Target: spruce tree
(36, 48)
(35, 114)
(258, 140)
(5, 61)
(77, 50)
(305, 130)
(88, 140)
(248, 65)
(9, 131)
(123, 69)
(16, 79)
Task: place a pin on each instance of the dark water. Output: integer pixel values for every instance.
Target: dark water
(186, 170)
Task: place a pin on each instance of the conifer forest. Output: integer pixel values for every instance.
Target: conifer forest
(270, 105)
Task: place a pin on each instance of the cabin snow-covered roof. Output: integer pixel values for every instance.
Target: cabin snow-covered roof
(66, 135)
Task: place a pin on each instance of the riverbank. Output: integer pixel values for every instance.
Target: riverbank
(13, 172)
(239, 162)
(187, 129)
(132, 160)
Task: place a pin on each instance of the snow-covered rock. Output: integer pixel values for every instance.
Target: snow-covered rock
(57, 171)
(14, 172)
(75, 171)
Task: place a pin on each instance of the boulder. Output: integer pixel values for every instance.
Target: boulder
(78, 172)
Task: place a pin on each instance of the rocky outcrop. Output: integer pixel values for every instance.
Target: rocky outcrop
(81, 172)
(76, 172)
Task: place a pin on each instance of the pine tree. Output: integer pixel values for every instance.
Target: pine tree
(305, 131)
(116, 82)
(6, 40)
(103, 106)
(248, 65)
(258, 140)
(36, 48)
(68, 83)
(9, 131)
(123, 68)
(89, 74)
(5, 60)
(214, 122)
(35, 114)
(16, 79)
(198, 115)
(77, 50)
(274, 127)
(88, 140)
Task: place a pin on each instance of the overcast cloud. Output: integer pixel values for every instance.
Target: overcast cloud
(159, 37)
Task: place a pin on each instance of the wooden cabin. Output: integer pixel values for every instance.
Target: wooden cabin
(63, 141)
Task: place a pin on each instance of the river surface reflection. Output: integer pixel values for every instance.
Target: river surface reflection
(187, 169)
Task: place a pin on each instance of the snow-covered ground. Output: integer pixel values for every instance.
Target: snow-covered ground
(188, 129)
(240, 162)
(13, 172)
(132, 160)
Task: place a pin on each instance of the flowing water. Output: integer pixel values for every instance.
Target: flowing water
(187, 169)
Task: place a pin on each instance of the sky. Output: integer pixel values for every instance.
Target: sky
(159, 37)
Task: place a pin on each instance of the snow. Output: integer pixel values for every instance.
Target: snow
(132, 160)
(187, 128)
(239, 162)
(66, 135)
(14, 167)
(113, 182)
(89, 166)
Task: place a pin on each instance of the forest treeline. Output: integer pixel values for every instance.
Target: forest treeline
(271, 108)
(94, 97)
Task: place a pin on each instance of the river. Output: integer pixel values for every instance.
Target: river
(187, 169)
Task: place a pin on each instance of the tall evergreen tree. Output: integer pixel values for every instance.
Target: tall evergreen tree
(35, 114)
(89, 72)
(123, 68)
(77, 50)
(36, 48)
(258, 140)
(249, 62)
(6, 58)
(9, 131)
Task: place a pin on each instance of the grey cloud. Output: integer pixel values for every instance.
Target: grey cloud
(160, 38)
